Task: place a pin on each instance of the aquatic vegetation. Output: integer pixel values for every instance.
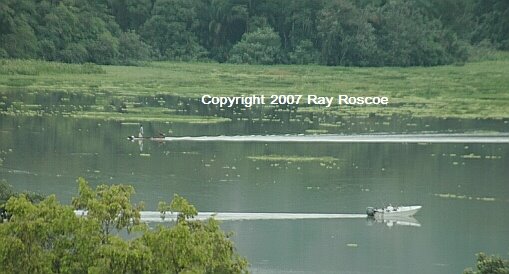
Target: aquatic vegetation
(460, 197)
(144, 117)
(292, 158)
(317, 131)
(475, 90)
(328, 125)
(471, 156)
(36, 67)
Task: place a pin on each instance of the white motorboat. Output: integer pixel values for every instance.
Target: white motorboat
(393, 211)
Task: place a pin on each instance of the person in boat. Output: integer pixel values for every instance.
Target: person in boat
(3, 214)
(391, 208)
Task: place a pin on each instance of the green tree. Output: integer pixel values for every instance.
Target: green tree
(192, 246)
(222, 23)
(109, 205)
(77, 32)
(489, 265)
(120, 256)
(301, 20)
(181, 206)
(405, 37)
(304, 53)
(261, 46)
(21, 43)
(17, 34)
(170, 30)
(131, 49)
(345, 35)
(130, 14)
(493, 23)
(59, 27)
(48, 50)
(343, 32)
(454, 15)
(46, 238)
(104, 50)
(6, 192)
(74, 53)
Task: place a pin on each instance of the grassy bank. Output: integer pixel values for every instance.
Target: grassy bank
(475, 90)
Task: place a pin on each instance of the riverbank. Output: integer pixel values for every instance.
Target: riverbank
(168, 91)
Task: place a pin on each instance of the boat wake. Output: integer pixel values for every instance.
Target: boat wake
(156, 216)
(329, 138)
(152, 217)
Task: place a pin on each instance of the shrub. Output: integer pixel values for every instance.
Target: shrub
(74, 53)
(261, 46)
(131, 49)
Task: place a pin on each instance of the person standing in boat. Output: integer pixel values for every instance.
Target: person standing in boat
(141, 131)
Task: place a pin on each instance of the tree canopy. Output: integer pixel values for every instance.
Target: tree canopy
(48, 237)
(335, 32)
(489, 265)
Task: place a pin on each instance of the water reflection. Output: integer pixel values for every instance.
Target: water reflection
(140, 144)
(392, 221)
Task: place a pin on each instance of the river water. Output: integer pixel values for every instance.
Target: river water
(463, 188)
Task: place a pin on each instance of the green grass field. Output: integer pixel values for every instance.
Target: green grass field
(474, 90)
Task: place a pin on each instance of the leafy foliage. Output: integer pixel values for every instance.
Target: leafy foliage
(6, 192)
(489, 265)
(170, 30)
(304, 53)
(132, 49)
(346, 37)
(493, 23)
(110, 205)
(48, 237)
(45, 238)
(258, 47)
(201, 246)
(405, 37)
(181, 206)
(336, 32)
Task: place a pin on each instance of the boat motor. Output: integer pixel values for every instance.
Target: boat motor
(370, 211)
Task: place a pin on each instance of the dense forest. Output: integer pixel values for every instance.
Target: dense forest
(329, 32)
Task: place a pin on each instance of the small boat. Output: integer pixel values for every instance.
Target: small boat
(393, 211)
(154, 138)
